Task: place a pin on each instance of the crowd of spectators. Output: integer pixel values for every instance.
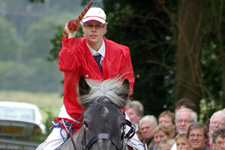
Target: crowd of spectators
(178, 130)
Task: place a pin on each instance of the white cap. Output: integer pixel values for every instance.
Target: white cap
(95, 13)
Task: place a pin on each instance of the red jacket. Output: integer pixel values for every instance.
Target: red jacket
(75, 60)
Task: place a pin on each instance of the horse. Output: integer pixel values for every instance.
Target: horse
(103, 120)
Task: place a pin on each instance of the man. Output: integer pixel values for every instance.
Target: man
(197, 135)
(217, 121)
(147, 125)
(218, 139)
(184, 118)
(167, 118)
(93, 57)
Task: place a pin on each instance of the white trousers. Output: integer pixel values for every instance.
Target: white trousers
(55, 140)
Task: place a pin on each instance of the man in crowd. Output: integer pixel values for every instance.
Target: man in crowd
(147, 125)
(198, 137)
(184, 118)
(218, 139)
(217, 121)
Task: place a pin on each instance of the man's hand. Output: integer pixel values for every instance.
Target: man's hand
(70, 29)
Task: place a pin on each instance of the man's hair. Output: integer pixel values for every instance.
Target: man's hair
(220, 112)
(194, 116)
(137, 106)
(169, 114)
(163, 128)
(185, 102)
(149, 118)
(198, 125)
(218, 132)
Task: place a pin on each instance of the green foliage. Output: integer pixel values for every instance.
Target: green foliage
(11, 45)
(38, 36)
(207, 108)
(48, 121)
(30, 77)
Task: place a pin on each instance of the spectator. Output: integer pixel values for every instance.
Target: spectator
(185, 103)
(147, 125)
(166, 144)
(198, 137)
(182, 142)
(161, 132)
(218, 139)
(217, 121)
(184, 118)
(167, 118)
(134, 110)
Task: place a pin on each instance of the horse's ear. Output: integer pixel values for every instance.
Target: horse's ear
(126, 84)
(84, 88)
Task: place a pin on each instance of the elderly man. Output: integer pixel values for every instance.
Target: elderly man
(217, 121)
(197, 135)
(147, 125)
(218, 139)
(184, 118)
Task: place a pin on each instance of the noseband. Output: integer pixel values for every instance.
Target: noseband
(100, 136)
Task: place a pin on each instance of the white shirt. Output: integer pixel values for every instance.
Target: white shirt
(101, 51)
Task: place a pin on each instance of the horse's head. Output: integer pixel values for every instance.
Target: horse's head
(103, 118)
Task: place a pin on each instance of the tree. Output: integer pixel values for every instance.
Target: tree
(189, 48)
(11, 45)
(38, 35)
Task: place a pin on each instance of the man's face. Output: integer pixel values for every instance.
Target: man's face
(197, 139)
(184, 121)
(132, 114)
(94, 31)
(219, 144)
(147, 130)
(166, 121)
(217, 121)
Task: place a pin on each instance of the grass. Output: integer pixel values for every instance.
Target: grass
(47, 102)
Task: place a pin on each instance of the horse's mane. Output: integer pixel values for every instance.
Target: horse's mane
(109, 90)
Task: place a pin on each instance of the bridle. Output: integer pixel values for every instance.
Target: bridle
(106, 136)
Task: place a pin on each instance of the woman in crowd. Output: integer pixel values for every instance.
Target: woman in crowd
(183, 142)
